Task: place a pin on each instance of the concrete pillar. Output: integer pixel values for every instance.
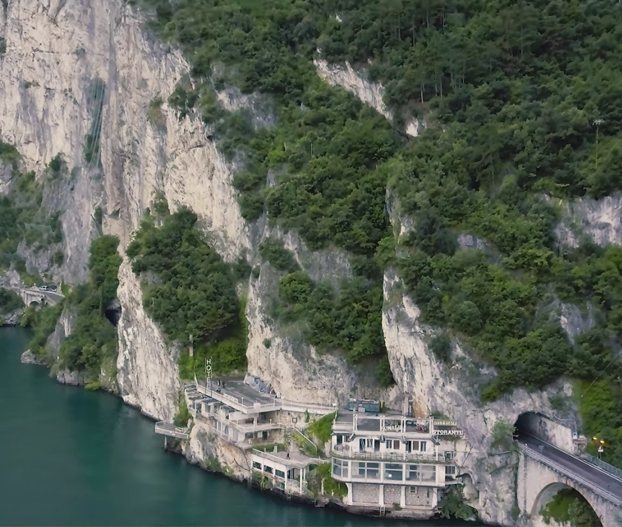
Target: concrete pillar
(403, 497)
(381, 495)
(348, 499)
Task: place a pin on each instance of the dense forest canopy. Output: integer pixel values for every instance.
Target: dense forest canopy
(189, 291)
(521, 101)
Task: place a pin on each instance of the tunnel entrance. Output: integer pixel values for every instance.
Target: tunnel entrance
(113, 313)
(533, 426)
(526, 425)
(565, 505)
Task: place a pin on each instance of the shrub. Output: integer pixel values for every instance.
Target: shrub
(279, 257)
(322, 428)
(440, 346)
(183, 415)
(9, 301)
(453, 506)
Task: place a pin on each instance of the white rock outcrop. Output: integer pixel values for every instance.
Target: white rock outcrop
(55, 52)
(601, 220)
(355, 81)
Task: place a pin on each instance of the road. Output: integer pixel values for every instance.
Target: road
(53, 297)
(50, 295)
(574, 465)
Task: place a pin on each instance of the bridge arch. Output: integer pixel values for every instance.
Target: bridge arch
(550, 491)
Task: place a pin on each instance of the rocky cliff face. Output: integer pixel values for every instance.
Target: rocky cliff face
(356, 82)
(600, 220)
(56, 52)
(452, 391)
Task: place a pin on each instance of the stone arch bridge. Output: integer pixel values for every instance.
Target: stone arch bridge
(30, 295)
(544, 470)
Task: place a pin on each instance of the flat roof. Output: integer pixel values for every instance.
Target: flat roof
(238, 388)
(295, 459)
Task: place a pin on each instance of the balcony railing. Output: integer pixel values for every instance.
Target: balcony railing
(388, 456)
(170, 430)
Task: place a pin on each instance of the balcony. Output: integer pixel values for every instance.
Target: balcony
(170, 430)
(426, 457)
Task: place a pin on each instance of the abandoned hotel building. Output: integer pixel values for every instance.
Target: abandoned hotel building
(385, 459)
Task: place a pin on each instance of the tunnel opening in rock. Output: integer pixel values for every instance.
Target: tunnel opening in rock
(526, 425)
(113, 313)
(566, 505)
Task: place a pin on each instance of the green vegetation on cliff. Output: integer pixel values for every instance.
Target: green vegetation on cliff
(93, 341)
(521, 101)
(190, 292)
(23, 218)
(9, 301)
(568, 506)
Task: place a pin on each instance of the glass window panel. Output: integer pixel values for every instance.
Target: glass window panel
(393, 471)
(413, 473)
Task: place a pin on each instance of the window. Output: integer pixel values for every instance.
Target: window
(370, 443)
(450, 472)
(419, 446)
(362, 469)
(393, 444)
(340, 468)
(279, 473)
(412, 473)
(449, 455)
(256, 465)
(393, 471)
(373, 470)
(267, 469)
(428, 472)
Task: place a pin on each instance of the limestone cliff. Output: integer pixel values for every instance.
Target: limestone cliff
(600, 220)
(57, 51)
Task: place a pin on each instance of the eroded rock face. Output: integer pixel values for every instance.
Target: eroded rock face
(601, 220)
(147, 374)
(356, 82)
(453, 391)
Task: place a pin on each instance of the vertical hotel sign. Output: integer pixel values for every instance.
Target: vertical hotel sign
(208, 373)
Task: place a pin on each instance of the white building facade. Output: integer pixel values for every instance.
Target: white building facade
(394, 461)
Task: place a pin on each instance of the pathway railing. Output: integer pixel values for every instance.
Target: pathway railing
(614, 471)
(387, 456)
(169, 429)
(569, 473)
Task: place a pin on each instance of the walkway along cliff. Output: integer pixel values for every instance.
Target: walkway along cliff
(90, 73)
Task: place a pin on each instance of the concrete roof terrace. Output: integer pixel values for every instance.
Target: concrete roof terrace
(240, 396)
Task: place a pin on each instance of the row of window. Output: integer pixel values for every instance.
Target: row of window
(268, 469)
(393, 444)
(392, 471)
